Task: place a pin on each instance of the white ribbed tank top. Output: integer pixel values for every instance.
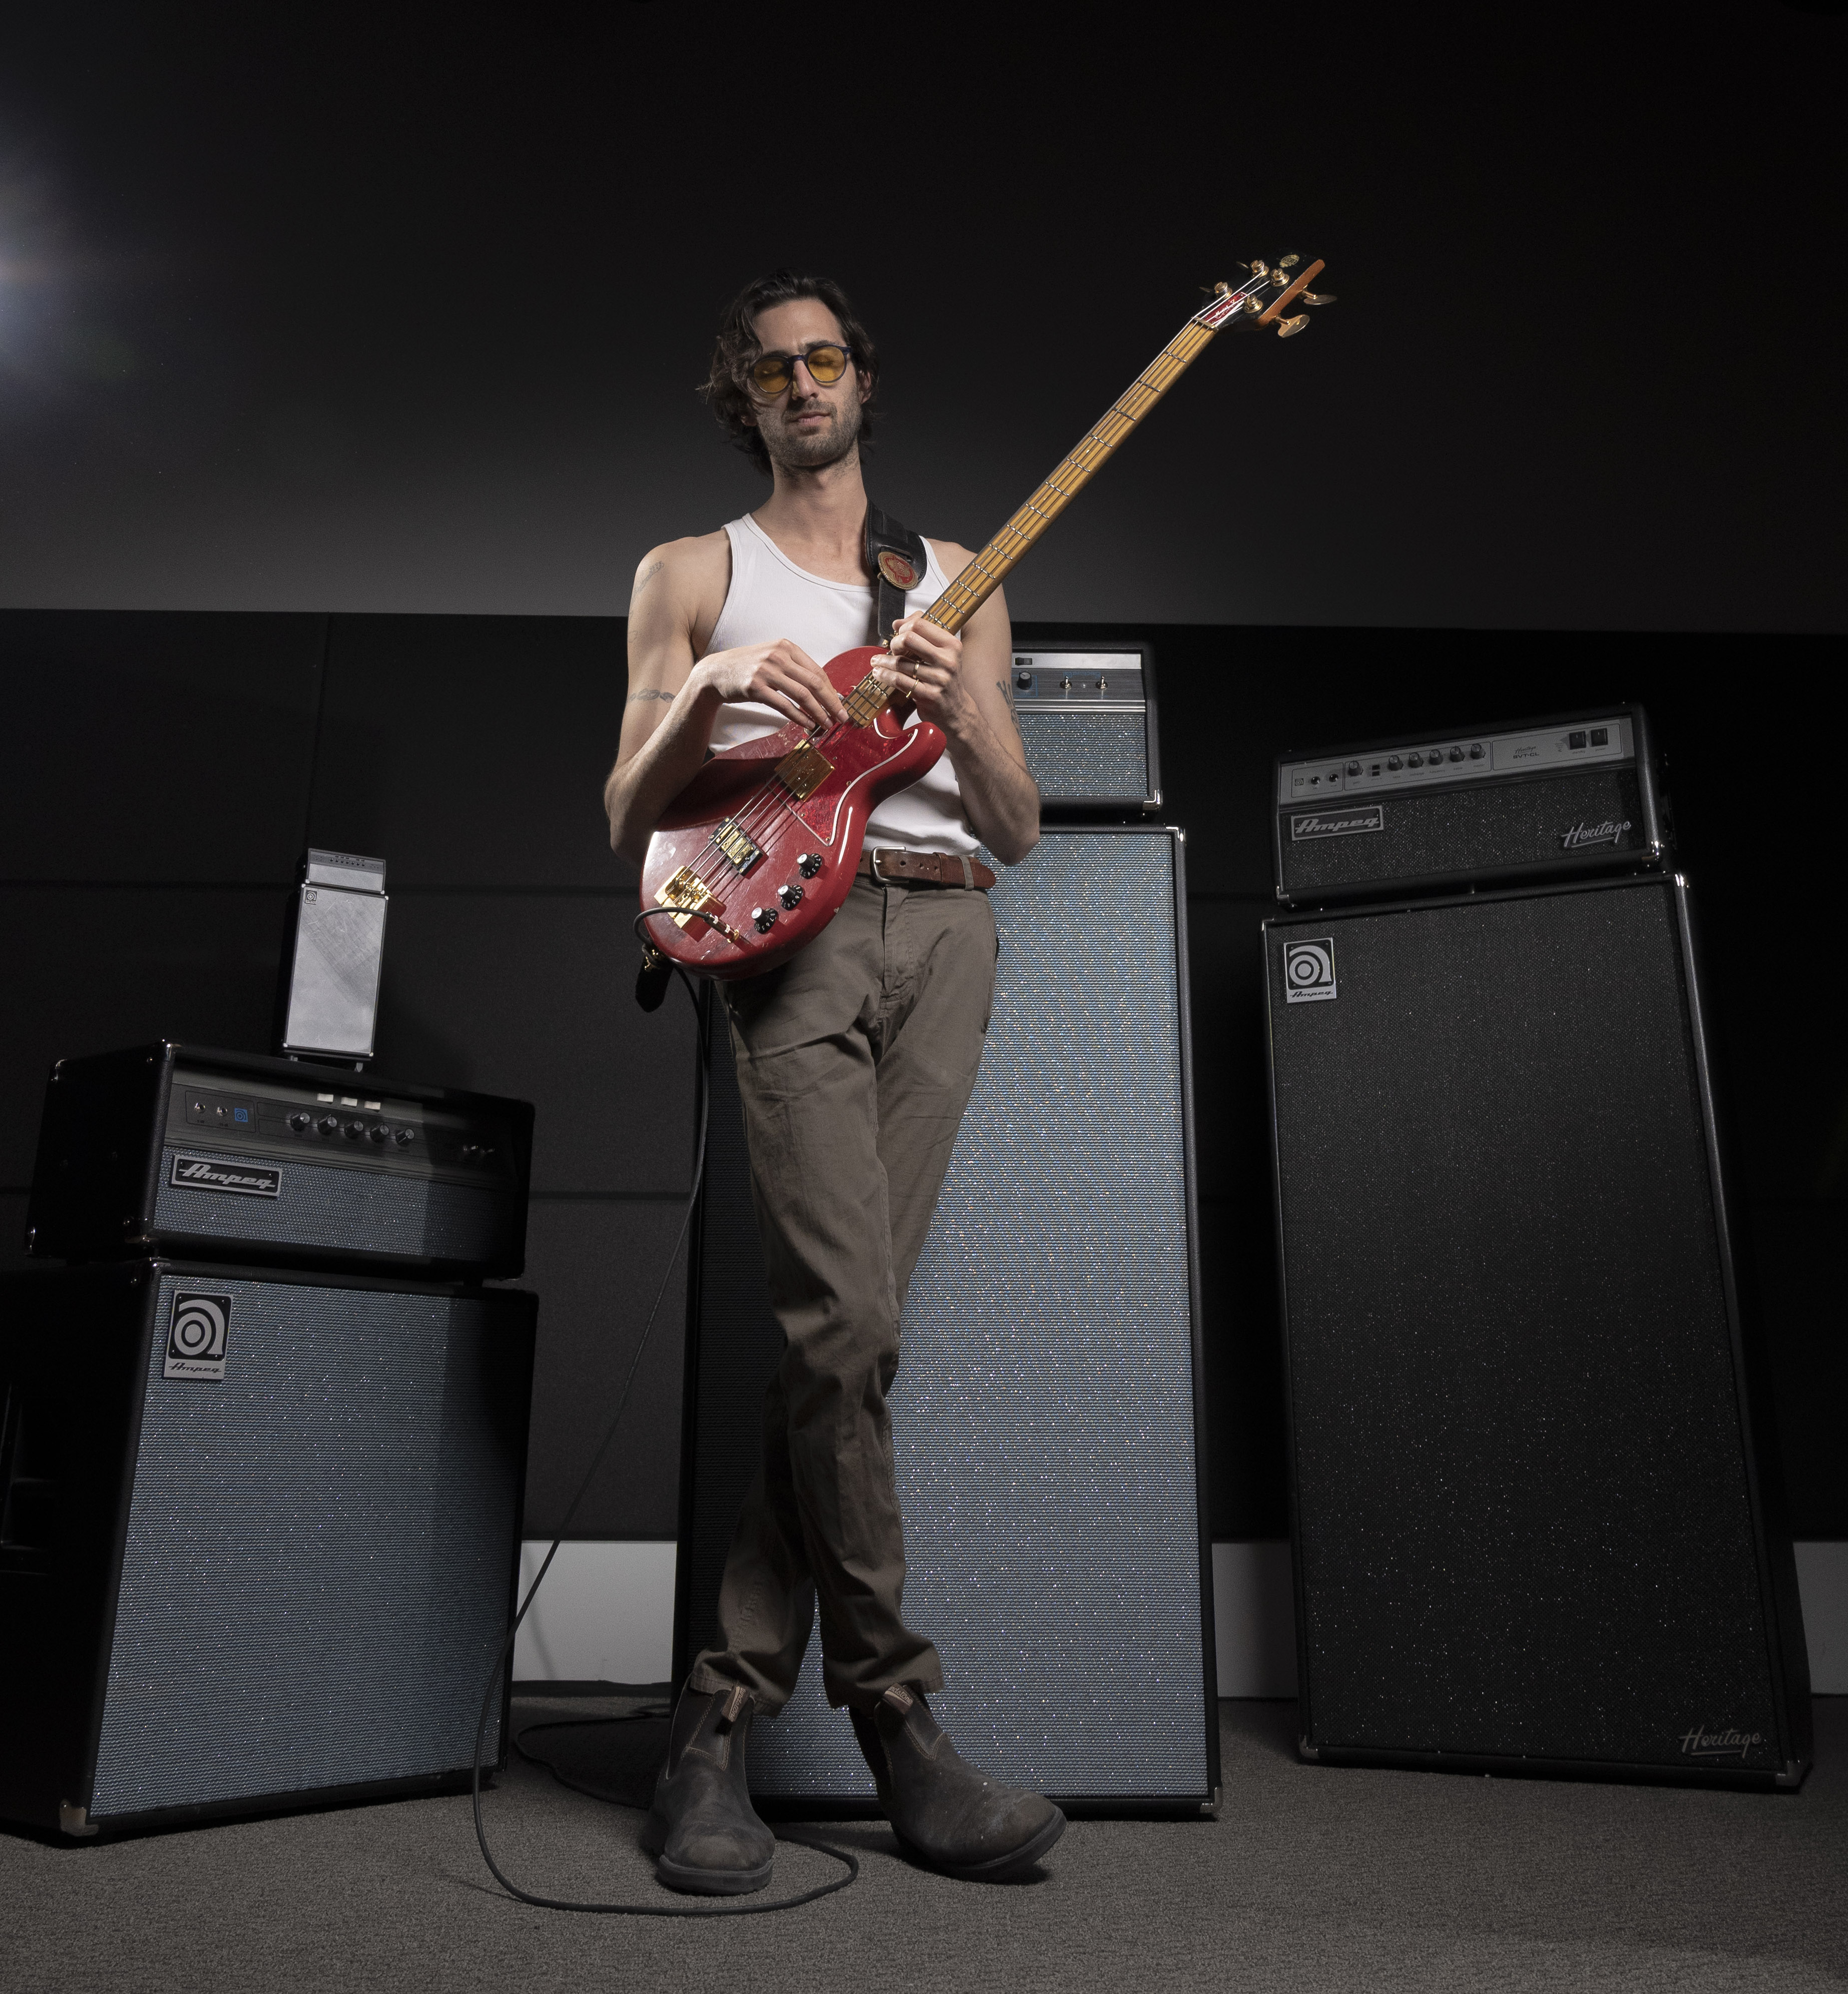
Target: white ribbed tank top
(769, 597)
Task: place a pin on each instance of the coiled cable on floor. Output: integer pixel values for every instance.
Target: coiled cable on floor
(496, 1675)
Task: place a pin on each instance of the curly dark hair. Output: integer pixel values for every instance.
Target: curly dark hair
(724, 388)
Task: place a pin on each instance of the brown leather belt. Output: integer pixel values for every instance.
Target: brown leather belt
(891, 867)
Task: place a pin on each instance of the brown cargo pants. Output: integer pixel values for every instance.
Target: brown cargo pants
(856, 1060)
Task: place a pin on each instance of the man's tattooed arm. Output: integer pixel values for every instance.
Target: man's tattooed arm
(1007, 693)
(652, 692)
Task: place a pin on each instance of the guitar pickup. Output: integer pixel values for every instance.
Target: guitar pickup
(687, 889)
(803, 772)
(743, 849)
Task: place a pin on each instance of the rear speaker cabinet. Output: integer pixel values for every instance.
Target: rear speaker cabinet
(1536, 1508)
(1045, 1416)
(257, 1537)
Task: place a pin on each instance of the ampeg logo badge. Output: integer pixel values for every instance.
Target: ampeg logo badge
(1338, 823)
(1582, 834)
(1309, 970)
(195, 1337)
(1701, 1743)
(244, 1179)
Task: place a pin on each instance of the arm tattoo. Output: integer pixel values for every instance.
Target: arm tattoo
(651, 692)
(1007, 693)
(645, 577)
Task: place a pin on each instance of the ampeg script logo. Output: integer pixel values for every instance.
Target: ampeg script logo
(1583, 834)
(195, 1337)
(1701, 1743)
(1309, 970)
(1338, 823)
(244, 1179)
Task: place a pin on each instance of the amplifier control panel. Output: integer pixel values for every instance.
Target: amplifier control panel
(1466, 758)
(337, 1124)
(1101, 681)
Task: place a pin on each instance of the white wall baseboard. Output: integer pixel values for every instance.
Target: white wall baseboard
(606, 1614)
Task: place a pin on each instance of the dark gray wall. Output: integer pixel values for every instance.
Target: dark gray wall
(159, 775)
(402, 309)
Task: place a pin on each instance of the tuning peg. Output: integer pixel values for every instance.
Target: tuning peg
(1315, 297)
(1280, 277)
(1287, 327)
(1258, 267)
(1288, 262)
(1220, 289)
(1254, 306)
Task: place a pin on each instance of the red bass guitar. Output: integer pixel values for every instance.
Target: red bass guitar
(756, 854)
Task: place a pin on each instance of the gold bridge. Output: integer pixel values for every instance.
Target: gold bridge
(687, 889)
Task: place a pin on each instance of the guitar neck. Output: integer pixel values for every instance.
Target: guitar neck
(990, 568)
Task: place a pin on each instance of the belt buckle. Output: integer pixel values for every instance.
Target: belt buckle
(879, 877)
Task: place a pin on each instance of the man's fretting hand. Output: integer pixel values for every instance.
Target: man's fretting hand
(927, 663)
(781, 676)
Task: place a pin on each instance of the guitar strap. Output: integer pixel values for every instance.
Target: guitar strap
(896, 559)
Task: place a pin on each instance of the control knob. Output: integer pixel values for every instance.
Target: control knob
(790, 896)
(299, 1121)
(404, 1137)
(809, 864)
(353, 1131)
(380, 1133)
(765, 918)
(328, 1125)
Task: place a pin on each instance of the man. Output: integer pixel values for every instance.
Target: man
(855, 1058)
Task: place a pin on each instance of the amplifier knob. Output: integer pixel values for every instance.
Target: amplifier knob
(328, 1125)
(1456, 754)
(299, 1122)
(1064, 685)
(764, 918)
(353, 1131)
(809, 864)
(1393, 761)
(790, 896)
(380, 1133)
(404, 1137)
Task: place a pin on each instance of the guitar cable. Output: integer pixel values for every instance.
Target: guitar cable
(496, 1675)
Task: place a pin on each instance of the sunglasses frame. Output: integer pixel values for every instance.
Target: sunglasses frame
(789, 360)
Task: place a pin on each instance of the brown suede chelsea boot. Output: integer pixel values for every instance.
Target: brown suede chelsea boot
(702, 1829)
(944, 1811)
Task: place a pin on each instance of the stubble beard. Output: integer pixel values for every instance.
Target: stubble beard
(819, 448)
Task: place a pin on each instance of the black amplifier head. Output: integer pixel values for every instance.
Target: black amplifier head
(1552, 798)
(182, 1149)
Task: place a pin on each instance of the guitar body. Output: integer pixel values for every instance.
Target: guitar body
(731, 847)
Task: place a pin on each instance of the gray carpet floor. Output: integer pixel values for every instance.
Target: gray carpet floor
(1312, 1879)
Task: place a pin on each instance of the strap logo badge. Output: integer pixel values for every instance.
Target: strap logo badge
(899, 572)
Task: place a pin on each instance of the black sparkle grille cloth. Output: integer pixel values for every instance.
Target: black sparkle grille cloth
(1481, 830)
(380, 1211)
(1043, 1417)
(1522, 1497)
(319, 1550)
(1080, 754)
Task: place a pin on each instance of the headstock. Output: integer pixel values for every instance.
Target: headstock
(1252, 299)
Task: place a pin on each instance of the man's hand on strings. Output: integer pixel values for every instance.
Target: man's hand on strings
(781, 676)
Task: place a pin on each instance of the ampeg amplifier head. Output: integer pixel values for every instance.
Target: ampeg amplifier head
(1087, 719)
(179, 1150)
(1540, 798)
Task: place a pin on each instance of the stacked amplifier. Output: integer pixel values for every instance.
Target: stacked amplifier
(263, 1445)
(1536, 1508)
(1046, 1412)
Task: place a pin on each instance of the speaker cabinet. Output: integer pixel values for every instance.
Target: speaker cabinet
(257, 1537)
(1046, 1414)
(1536, 1508)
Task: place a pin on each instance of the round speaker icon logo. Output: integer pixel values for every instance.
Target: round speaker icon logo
(1309, 970)
(196, 1336)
